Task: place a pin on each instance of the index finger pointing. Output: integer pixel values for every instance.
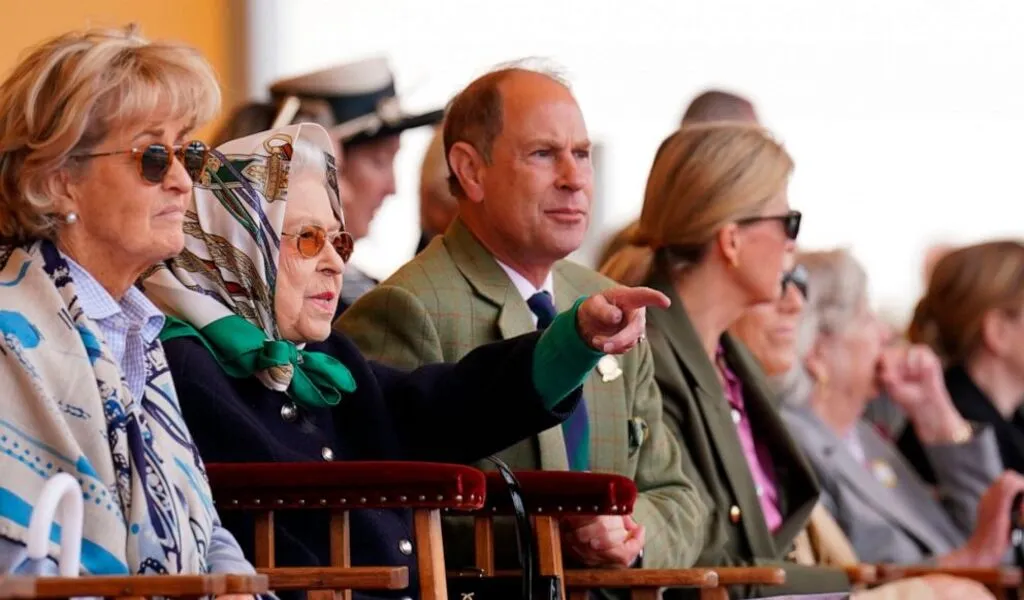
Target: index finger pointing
(632, 298)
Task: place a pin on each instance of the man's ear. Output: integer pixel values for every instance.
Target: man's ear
(468, 167)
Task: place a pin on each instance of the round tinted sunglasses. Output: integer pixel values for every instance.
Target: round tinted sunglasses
(156, 159)
(311, 239)
(798, 278)
(790, 222)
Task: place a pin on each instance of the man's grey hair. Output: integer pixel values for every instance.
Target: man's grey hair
(836, 291)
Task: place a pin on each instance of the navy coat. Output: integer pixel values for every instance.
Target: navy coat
(454, 413)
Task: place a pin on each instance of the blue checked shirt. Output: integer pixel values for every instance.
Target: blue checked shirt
(128, 327)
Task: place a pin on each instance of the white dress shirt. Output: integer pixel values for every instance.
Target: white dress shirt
(525, 288)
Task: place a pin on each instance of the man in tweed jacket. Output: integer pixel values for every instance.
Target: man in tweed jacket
(517, 147)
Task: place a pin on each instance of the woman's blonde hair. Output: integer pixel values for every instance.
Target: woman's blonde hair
(67, 94)
(704, 176)
(434, 174)
(965, 285)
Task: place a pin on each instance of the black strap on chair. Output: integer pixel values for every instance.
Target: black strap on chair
(531, 586)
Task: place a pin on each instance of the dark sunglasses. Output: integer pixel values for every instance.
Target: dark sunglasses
(311, 239)
(156, 159)
(790, 222)
(798, 278)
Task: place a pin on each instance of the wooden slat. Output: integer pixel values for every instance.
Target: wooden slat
(483, 533)
(862, 573)
(728, 576)
(1004, 577)
(247, 584)
(621, 578)
(341, 555)
(549, 547)
(351, 578)
(176, 586)
(750, 576)
(430, 554)
(264, 539)
(17, 587)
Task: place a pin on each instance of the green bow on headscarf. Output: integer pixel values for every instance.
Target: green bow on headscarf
(242, 350)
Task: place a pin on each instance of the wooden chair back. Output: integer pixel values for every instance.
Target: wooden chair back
(550, 495)
(339, 487)
(135, 586)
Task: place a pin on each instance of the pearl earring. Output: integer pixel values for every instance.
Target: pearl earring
(71, 218)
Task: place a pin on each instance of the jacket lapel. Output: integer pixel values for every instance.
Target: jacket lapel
(792, 472)
(922, 520)
(492, 285)
(821, 442)
(714, 410)
(489, 282)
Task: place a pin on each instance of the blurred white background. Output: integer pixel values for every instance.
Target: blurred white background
(904, 118)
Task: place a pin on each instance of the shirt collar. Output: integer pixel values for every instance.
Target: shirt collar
(523, 286)
(733, 384)
(99, 305)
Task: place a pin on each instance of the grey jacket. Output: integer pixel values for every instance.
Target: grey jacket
(887, 511)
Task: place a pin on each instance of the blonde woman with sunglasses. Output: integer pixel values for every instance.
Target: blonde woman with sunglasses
(261, 377)
(768, 331)
(96, 169)
(715, 235)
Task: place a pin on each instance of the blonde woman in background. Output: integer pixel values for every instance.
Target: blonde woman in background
(769, 331)
(714, 235)
(888, 513)
(96, 168)
(438, 206)
(972, 316)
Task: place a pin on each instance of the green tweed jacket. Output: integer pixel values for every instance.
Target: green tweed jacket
(698, 415)
(454, 297)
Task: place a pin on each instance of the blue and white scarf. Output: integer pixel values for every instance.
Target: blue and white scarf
(64, 407)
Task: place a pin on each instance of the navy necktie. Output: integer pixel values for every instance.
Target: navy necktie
(576, 428)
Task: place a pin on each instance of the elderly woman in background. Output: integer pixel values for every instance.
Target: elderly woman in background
(263, 378)
(972, 316)
(889, 514)
(715, 234)
(769, 331)
(96, 168)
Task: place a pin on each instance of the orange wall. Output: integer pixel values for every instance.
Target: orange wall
(215, 27)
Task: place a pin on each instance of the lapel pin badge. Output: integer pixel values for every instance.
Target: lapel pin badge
(884, 473)
(609, 368)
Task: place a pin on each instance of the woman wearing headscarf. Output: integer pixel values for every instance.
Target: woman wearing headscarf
(96, 169)
(263, 377)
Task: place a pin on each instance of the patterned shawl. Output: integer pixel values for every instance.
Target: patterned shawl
(220, 289)
(65, 408)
